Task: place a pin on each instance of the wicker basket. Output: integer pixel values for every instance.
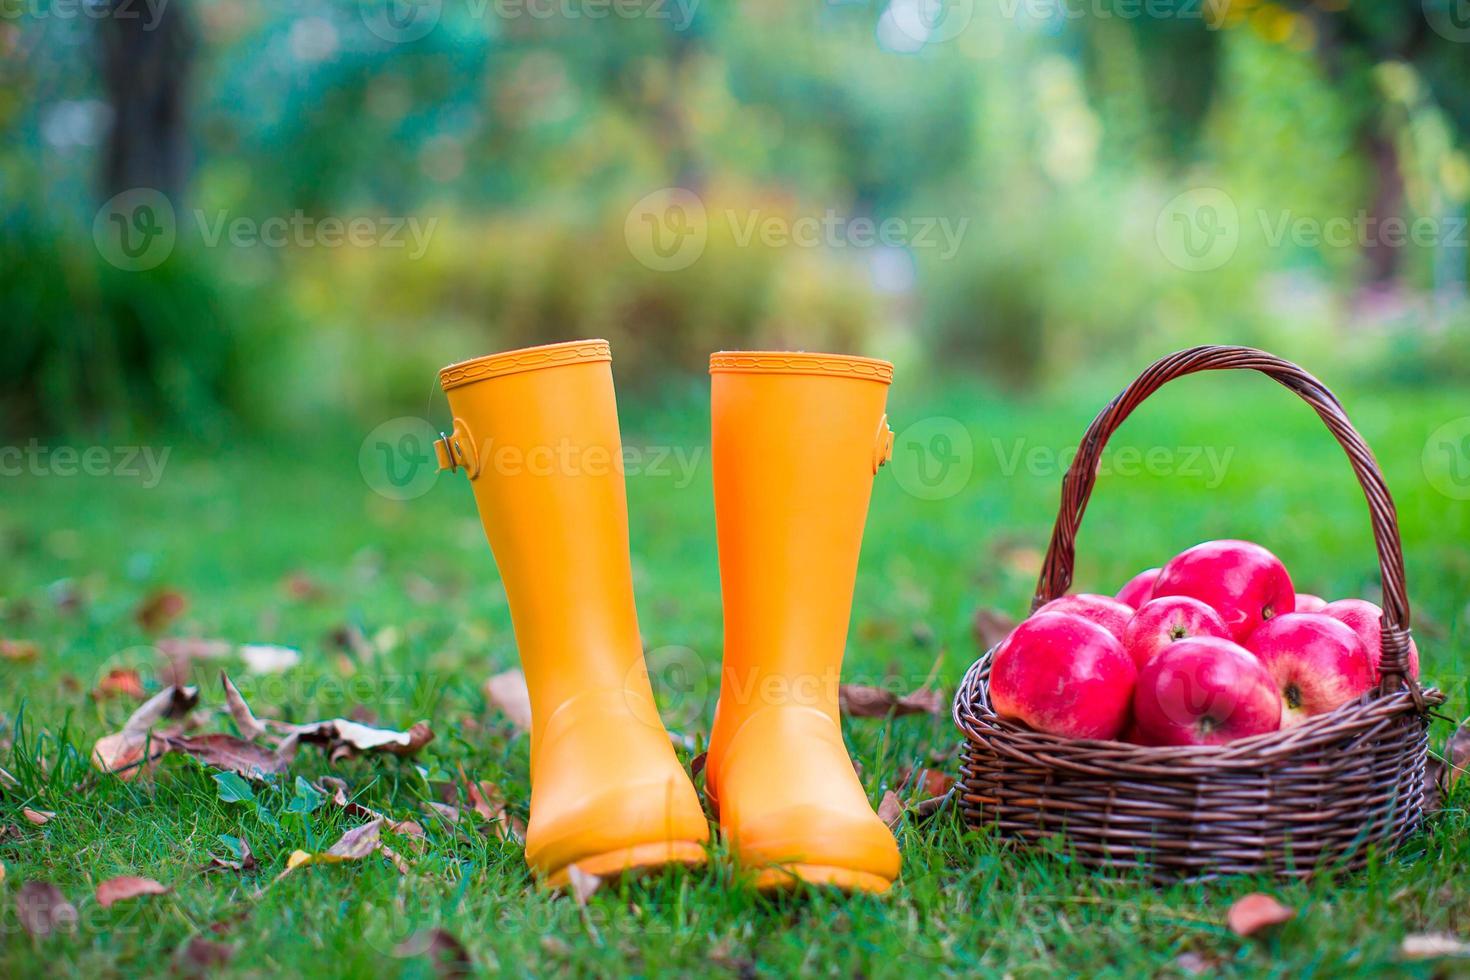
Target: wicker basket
(1289, 803)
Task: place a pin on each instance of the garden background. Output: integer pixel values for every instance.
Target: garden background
(238, 240)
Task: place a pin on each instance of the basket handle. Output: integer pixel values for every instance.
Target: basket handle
(1056, 572)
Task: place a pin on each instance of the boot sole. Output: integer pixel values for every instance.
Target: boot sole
(788, 877)
(635, 860)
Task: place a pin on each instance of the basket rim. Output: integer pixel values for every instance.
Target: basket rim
(971, 707)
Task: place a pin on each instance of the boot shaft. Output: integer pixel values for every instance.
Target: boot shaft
(797, 439)
(537, 432)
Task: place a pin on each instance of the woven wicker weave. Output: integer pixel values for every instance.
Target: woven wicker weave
(1289, 803)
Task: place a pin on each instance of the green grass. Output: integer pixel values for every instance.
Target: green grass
(416, 577)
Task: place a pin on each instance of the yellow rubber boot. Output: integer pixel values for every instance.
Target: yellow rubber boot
(797, 439)
(536, 431)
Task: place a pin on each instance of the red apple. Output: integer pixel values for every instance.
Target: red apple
(1103, 610)
(1167, 620)
(1204, 691)
(1306, 602)
(1241, 581)
(1140, 588)
(1065, 675)
(1365, 619)
(1316, 661)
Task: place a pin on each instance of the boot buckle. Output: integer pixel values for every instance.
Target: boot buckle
(883, 447)
(456, 450)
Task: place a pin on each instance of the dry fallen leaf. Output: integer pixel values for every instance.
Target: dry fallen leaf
(582, 884)
(228, 753)
(179, 654)
(861, 701)
(2, 872)
(19, 651)
(246, 862)
(1434, 785)
(198, 955)
(302, 587)
(244, 718)
(126, 886)
(445, 952)
(6, 779)
(1457, 756)
(345, 738)
(990, 626)
(1196, 963)
(265, 658)
(160, 608)
(122, 753)
(1428, 946)
(508, 692)
(354, 845)
(1255, 912)
(38, 817)
(42, 909)
(890, 809)
(120, 681)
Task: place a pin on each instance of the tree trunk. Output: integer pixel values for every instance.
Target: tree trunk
(147, 53)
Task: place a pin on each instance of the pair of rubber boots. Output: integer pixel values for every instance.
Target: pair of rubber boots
(797, 439)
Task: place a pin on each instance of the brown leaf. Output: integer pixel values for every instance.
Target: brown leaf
(120, 681)
(38, 817)
(861, 701)
(990, 626)
(126, 886)
(179, 654)
(247, 860)
(935, 782)
(229, 753)
(924, 809)
(302, 587)
(354, 845)
(160, 608)
(1457, 755)
(245, 719)
(890, 809)
(1255, 912)
(1434, 783)
(508, 692)
(198, 955)
(445, 812)
(582, 884)
(344, 738)
(6, 779)
(19, 651)
(1430, 946)
(446, 953)
(42, 909)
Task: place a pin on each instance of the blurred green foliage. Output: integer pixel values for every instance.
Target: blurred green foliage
(1050, 138)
